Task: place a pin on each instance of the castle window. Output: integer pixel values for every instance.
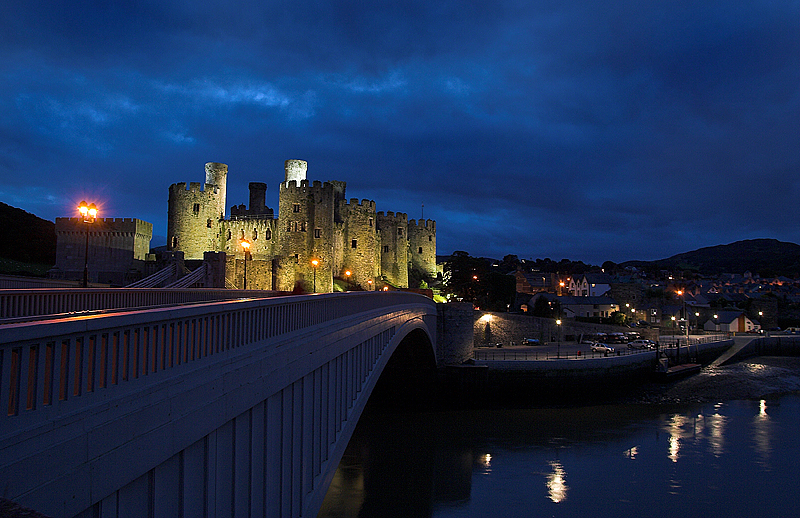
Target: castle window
(208, 223)
(317, 233)
(297, 258)
(400, 231)
(420, 250)
(303, 226)
(268, 234)
(370, 222)
(255, 234)
(354, 243)
(385, 249)
(196, 208)
(430, 238)
(294, 226)
(288, 226)
(296, 207)
(174, 242)
(228, 237)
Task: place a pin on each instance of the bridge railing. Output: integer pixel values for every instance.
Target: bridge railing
(37, 302)
(51, 366)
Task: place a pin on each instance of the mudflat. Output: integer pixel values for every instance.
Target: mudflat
(755, 378)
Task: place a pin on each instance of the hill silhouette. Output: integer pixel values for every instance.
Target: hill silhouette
(766, 257)
(26, 238)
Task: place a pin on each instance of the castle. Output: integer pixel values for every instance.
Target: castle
(318, 234)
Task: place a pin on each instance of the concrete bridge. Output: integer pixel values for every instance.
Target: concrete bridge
(219, 408)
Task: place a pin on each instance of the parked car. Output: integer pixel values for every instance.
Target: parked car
(641, 344)
(531, 341)
(598, 347)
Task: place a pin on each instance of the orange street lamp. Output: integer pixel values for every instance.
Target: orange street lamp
(89, 214)
(314, 264)
(246, 247)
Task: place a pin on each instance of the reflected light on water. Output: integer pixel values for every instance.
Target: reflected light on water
(716, 424)
(631, 453)
(675, 433)
(556, 484)
(762, 433)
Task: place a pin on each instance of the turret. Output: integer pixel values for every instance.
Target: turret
(295, 170)
(217, 176)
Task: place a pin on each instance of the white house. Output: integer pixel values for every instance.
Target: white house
(590, 285)
(731, 322)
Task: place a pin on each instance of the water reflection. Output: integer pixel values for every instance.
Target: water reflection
(478, 463)
(762, 434)
(556, 485)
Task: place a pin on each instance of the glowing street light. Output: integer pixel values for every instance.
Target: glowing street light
(315, 264)
(89, 214)
(558, 350)
(246, 247)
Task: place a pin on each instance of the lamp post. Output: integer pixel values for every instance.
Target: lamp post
(558, 349)
(684, 318)
(347, 275)
(314, 264)
(89, 214)
(246, 247)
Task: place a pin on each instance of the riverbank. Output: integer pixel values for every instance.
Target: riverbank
(760, 377)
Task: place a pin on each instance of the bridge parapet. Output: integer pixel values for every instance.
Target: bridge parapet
(109, 399)
(17, 303)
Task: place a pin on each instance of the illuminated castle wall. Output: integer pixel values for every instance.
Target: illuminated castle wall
(314, 221)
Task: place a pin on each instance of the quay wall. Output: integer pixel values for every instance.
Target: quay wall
(586, 378)
(768, 346)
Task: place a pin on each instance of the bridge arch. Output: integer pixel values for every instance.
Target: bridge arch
(234, 408)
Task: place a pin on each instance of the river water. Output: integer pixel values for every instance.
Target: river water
(724, 458)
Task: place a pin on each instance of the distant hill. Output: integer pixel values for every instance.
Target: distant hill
(26, 238)
(766, 257)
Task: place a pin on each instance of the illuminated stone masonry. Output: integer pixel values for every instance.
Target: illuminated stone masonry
(316, 223)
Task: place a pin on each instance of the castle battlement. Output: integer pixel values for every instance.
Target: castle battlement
(291, 187)
(423, 224)
(354, 202)
(180, 187)
(124, 225)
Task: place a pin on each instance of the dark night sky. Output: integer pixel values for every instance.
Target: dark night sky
(583, 130)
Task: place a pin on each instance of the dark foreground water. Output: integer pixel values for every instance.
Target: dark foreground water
(729, 459)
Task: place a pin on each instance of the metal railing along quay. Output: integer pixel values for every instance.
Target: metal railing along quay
(503, 354)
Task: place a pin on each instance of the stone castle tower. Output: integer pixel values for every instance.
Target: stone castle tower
(194, 214)
(347, 239)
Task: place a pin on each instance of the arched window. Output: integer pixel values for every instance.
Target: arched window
(268, 234)
(174, 242)
(229, 235)
(255, 234)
